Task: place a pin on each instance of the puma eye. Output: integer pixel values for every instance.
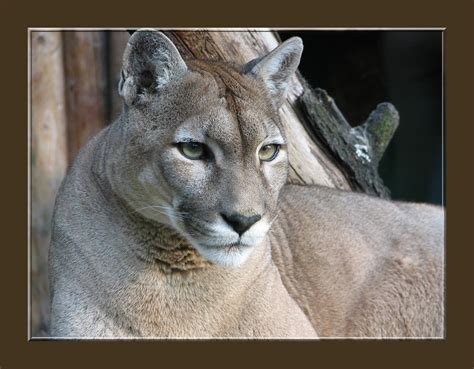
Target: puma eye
(192, 150)
(268, 152)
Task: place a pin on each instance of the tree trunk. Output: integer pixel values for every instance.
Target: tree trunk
(48, 162)
(86, 82)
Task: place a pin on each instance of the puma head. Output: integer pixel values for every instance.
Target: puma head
(203, 149)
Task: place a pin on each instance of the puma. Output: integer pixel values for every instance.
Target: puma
(176, 220)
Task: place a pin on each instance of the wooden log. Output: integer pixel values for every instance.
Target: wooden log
(48, 162)
(356, 150)
(86, 87)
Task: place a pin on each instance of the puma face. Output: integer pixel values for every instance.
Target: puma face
(205, 151)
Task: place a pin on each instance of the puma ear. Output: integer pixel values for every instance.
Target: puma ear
(277, 67)
(150, 62)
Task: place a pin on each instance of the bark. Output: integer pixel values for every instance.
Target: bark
(48, 162)
(86, 83)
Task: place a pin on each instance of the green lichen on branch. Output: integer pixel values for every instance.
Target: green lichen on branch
(378, 130)
(356, 150)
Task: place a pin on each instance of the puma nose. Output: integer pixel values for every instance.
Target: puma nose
(240, 222)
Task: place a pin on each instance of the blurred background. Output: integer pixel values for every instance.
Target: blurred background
(74, 77)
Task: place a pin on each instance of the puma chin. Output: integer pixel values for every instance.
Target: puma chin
(219, 243)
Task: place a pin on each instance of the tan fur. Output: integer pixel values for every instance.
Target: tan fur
(359, 266)
(141, 246)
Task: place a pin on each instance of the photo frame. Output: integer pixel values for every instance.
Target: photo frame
(453, 351)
